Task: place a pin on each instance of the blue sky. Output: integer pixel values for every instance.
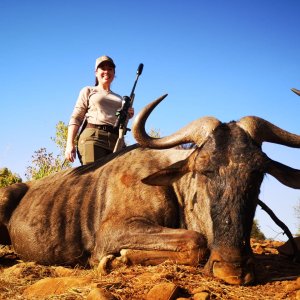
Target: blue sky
(228, 59)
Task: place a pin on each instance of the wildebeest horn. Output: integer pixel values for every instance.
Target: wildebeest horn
(297, 92)
(285, 174)
(195, 132)
(263, 131)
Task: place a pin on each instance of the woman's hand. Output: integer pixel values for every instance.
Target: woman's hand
(130, 112)
(70, 153)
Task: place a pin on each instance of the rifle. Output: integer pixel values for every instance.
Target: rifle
(121, 114)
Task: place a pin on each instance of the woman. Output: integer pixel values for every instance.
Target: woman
(97, 105)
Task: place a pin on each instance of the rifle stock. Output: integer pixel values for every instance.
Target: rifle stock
(123, 129)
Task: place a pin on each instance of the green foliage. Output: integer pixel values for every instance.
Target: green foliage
(256, 233)
(60, 138)
(44, 163)
(7, 177)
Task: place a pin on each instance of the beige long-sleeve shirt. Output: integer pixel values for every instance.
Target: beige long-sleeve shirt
(99, 106)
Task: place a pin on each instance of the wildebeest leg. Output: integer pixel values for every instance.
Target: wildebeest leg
(154, 246)
(150, 257)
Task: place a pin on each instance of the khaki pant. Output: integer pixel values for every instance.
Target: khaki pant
(94, 144)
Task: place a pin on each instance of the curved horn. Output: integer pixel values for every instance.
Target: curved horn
(297, 92)
(196, 132)
(263, 131)
(286, 175)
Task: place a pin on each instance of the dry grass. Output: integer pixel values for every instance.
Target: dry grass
(276, 278)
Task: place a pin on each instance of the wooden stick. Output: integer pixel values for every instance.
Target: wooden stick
(286, 230)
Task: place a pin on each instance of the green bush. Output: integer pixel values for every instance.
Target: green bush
(7, 177)
(44, 163)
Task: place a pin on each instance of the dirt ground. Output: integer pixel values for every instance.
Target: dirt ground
(278, 277)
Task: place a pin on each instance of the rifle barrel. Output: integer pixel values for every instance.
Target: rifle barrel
(138, 73)
(122, 122)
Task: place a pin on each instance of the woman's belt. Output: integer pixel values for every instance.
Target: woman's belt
(108, 128)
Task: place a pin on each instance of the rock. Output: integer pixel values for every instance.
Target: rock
(100, 294)
(55, 286)
(258, 249)
(293, 285)
(271, 250)
(163, 291)
(201, 296)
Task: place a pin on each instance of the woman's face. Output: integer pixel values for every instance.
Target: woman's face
(105, 73)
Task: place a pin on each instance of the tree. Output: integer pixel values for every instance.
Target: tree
(44, 163)
(60, 138)
(256, 233)
(155, 133)
(8, 178)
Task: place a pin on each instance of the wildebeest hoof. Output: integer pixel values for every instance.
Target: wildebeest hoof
(104, 266)
(232, 273)
(109, 263)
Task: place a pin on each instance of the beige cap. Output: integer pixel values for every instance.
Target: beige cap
(102, 59)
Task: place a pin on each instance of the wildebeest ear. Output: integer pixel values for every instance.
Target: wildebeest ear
(168, 175)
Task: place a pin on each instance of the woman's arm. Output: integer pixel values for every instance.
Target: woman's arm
(70, 152)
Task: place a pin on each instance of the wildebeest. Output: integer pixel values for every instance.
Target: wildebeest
(153, 202)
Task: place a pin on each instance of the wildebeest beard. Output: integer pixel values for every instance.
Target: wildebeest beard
(233, 184)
